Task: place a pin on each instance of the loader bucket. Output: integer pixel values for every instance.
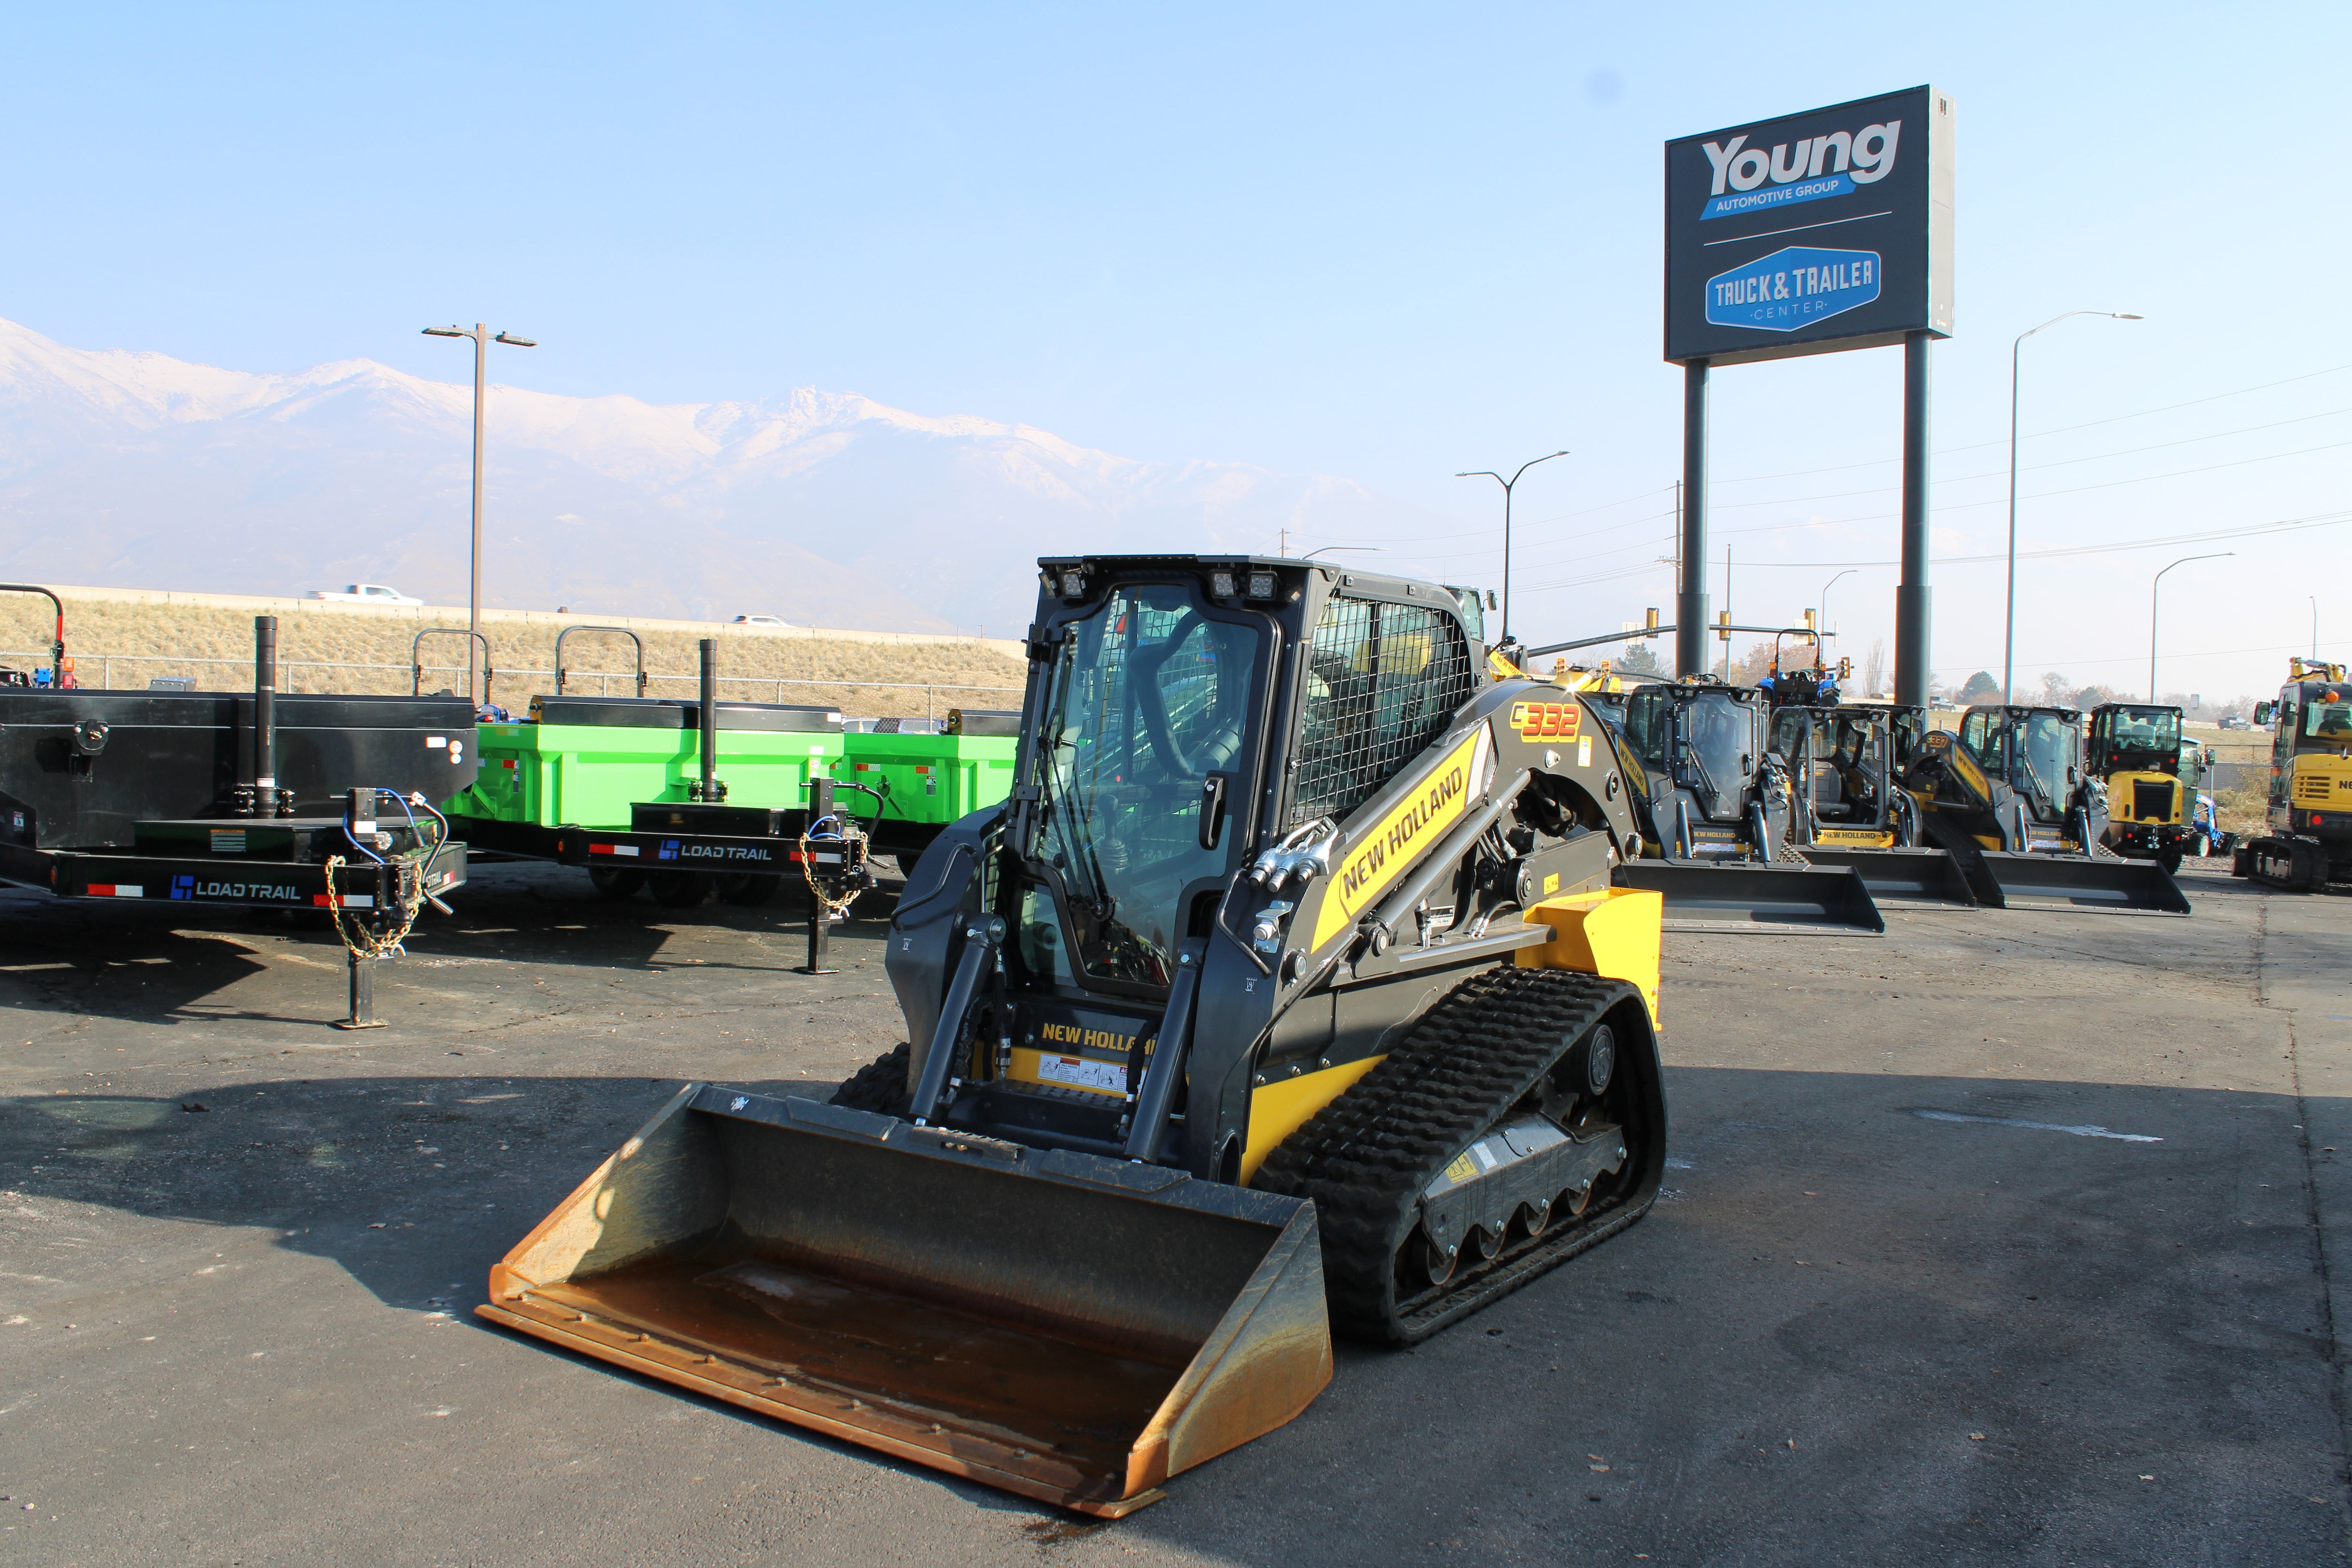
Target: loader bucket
(1752, 897)
(1069, 1328)
(2081, 882)
(1900, 876)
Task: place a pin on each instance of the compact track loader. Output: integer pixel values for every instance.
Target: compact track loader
(1849, 809)
(2306, 842)
(2010, 799)
(1289, 990)
(1715, 804)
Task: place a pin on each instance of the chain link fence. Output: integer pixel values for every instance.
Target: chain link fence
(513, 688)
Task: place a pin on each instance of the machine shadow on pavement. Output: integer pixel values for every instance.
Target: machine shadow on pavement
(1876, 1318)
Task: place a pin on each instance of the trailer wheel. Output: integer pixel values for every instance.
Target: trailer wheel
(616, 881)
(680, 889)
(749, 890)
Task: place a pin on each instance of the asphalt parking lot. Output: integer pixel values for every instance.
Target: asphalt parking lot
(2005, 1239)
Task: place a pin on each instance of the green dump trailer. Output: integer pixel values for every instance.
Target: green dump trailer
(691, 798)
(928, 782)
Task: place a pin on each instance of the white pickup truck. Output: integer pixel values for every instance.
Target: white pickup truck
(365, 594)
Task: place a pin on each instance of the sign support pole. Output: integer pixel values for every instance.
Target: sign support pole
(1913, 597)
(1690, 597)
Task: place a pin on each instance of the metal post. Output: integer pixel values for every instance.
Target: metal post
(1913, 598)
(358, 968)
(264, 717)
(482, 342)
(1690, 596)
(2009, 619)
(820, 806)
(474, 588)
(712, 789)
(2153, 584)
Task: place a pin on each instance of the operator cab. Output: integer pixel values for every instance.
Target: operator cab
(1838, 755)
(1699, 748)
(2036, 752)
(2135, 738)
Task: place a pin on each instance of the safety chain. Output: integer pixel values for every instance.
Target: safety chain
(408, 882)
(832, 910)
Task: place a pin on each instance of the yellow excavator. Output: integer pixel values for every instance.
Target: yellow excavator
(1295, 988)
(2307, 839)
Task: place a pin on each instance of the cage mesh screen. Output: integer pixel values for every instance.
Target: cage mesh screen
(1382, 680)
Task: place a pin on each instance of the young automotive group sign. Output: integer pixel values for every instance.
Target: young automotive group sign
(1831, 229)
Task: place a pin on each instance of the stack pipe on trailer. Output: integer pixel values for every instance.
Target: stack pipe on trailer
(263, 800)
(710, 789)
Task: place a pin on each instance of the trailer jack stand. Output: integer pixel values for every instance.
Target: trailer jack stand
(820, 925)
(361, 967)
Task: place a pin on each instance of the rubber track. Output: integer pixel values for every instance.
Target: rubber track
(880, 1086)
(1367, 1156)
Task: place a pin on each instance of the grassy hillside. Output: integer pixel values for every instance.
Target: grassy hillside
(126, 644)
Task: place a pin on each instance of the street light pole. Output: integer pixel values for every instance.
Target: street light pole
(2151, 612)
(1507, 484)
(482, 342)
(1823, 630)
(2009, 620)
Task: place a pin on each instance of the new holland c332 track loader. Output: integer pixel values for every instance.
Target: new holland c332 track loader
(1288, 991)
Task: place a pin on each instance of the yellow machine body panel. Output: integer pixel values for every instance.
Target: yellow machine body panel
(1280, 1108)
(1614, 933)
(2151, 798)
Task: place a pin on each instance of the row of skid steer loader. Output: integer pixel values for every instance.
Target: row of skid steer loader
(1307, 981)
(1722, 816)
(2011, 797)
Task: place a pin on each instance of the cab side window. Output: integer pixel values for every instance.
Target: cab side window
(1645, 727)
(1976, 734)
(1382, 682)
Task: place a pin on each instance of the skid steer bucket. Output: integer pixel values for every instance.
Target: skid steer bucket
(1748, 897)
(2081, 882)
(1066, 1327)
(1900, 876)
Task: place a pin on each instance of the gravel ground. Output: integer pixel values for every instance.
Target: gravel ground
(1907, 1298)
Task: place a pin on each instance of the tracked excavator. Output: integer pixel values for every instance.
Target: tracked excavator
(1293, 988)
(2008, 796)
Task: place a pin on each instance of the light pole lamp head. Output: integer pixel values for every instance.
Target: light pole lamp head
(446, 332)
(2128, 316)
(518, 343)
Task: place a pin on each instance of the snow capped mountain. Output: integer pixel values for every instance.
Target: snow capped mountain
(135, 470)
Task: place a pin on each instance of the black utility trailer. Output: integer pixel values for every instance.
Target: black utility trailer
(249, 800)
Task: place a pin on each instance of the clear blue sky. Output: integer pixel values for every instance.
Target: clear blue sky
(1387, 244)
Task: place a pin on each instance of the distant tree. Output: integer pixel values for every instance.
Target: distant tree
(1980, 687)
(2090, 696)
(1873, 667)
(2057, 688)
(1638, 659)
(1754, 665)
